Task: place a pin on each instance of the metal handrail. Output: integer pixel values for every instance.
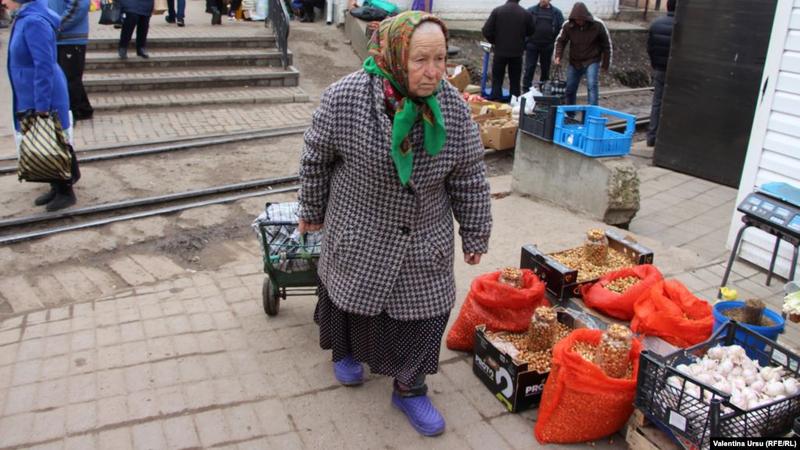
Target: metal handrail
(278, 17)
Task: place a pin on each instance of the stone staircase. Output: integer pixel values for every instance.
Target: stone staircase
(186, 71)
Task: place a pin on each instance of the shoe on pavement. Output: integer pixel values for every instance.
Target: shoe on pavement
(181, 23)
(123, 53)
(348, 371)
(46, 197)
(65, 197)
(169, 19)
(421, 413)
(143, 53)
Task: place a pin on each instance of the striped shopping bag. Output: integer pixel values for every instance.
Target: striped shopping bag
(44, 153)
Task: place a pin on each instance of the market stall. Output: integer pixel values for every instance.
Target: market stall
(598, 340)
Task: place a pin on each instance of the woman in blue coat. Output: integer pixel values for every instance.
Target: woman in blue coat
(37, 81)
(137, 15)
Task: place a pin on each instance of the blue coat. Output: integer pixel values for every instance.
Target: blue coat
(74, 21)
(37, 81)
(140, 7)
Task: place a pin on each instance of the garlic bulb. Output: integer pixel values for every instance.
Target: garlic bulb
(749, 375)
(790, 386)
(725, 367)
(705, 378)
(715, 353)
(738, 382)
(758, 385)
(723, 386)
(683, 368)
(736, 352)
(774, 388)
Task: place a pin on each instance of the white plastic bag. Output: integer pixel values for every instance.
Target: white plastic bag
(530, 101)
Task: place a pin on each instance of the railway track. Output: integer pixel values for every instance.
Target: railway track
(35, 226)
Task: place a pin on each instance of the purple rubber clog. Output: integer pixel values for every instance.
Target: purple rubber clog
(419, 410)
(348, 371)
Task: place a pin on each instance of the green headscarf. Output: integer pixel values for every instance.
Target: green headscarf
(389, 48)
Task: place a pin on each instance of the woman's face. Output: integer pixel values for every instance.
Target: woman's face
(426, 60)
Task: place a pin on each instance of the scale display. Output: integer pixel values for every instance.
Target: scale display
(781, 215)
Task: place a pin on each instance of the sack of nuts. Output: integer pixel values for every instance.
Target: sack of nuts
(497, 304)
(668, 310)
(580, 401)
(615, 293)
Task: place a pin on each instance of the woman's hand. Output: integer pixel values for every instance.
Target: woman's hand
(472, 258)
(305, 227)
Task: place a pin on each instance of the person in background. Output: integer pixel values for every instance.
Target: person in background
(422, 5)
(235, 5)
(658, 44)
(72, 39)
(506, 29)
(38, 84)
(589, 50)
(137, 16)
(547, 22)
(308, 9)
(387, 208)
(178, 16)
(216, 8)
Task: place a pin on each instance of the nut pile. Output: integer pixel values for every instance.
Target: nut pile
(596, 247)
(613, 353)
(538, 361)
(620, 285)
(542, 330)
(575, 260)
(511, 276)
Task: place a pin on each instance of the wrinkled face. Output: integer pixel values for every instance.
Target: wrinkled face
(427, 56)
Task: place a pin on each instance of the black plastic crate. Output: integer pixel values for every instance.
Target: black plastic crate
(543, 120)
(694, 422)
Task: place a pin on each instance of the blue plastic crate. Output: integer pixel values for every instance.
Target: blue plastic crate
(591, 137)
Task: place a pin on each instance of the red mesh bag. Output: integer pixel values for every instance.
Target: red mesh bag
(615, 304)
(497, 305)
(580, 402)
(668, 310)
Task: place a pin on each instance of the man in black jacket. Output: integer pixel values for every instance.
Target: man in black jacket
(658, 45)
(547, 22)
(506, 29)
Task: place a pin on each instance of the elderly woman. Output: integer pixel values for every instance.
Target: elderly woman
(390, 158)
(38, 84)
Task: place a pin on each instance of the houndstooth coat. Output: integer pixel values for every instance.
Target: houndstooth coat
(388, 247)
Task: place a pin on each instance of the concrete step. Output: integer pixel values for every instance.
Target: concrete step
(191, 57)
(127, 101)
(191, 78)
(201, 42)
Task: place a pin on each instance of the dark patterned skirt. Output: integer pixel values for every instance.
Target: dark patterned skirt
(403, 349)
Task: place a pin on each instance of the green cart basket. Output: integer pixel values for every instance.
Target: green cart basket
(279, 283)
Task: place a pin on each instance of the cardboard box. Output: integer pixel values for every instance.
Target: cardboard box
(561, 281)
(498, 137)
(516, 387)
(458, 76)
(478, 107)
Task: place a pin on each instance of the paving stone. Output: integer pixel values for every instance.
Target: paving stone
(26, 372)
(51, 394)
(170, 400)
(20, 399)
(198, 394)
(82, 340)
(110, 357)
(83, 442)
(56, 367)
(51, 292)
(138, 378)
(288, 441)
(142, 405)
(273, 417)
(180, 433)
(30, 349)
(16, 430)
(20, 294)
(243, 422)
(77, 285)
(212, 428)
(131, 272)
(49, 424)
(112, 410)
(111, 383)
(116, 438)
(81, 417)
(56, 345)
(160, 267)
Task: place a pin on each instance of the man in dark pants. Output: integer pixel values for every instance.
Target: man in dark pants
(72, 39)
(658, 45)
(506, 29)
(174, 16)
(547, 22)
(308, 9)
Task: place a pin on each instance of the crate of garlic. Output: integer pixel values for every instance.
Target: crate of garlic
(716, 389)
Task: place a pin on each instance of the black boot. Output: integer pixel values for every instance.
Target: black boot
(123, 52)
(216, 16)
(142, 52)
(46, 197)
(65, 197)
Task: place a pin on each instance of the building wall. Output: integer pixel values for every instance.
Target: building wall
(773, 153)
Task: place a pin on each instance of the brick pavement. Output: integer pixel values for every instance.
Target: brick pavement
(191, 97)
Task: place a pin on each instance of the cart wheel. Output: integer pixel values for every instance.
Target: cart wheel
(271, 301)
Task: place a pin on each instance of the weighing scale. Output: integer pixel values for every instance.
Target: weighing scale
(775, 209)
